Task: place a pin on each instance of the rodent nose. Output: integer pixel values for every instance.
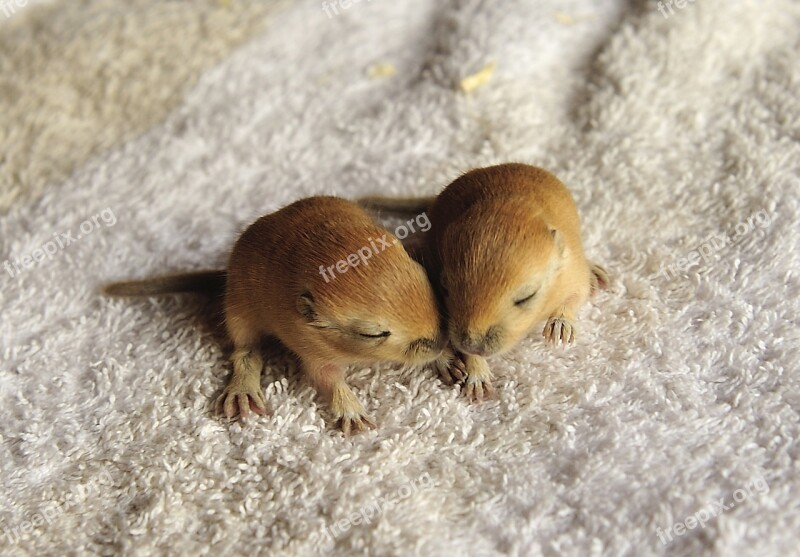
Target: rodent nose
(473, 344)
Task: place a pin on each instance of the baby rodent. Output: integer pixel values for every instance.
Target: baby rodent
(504, 252)
(382, 308)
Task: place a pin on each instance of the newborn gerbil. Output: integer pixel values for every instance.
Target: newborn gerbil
(504, 250)
(332, 286)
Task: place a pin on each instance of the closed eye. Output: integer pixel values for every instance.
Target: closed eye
(524, 300)
(382, 334)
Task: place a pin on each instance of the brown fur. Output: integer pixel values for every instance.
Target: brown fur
(274, 288)
(499, 234)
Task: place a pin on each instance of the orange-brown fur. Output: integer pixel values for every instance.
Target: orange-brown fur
(273, 287)
(499, 234)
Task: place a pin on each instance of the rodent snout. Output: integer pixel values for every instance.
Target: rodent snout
(478, 344)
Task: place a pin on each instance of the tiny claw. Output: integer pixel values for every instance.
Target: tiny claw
(479, 390)
(452, 370)
(230, 407)
(370, 422)
(459, 369)
(351, 425)
(258, 406)
(472, 393)
(234, 402)
(599, 278)
(559, 329)
(244, 405)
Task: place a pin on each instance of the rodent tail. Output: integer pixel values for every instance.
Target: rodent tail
(397, 205)
(201, 281)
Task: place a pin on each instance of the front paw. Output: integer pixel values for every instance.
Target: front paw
(451, 367)
(478, 385)
(349, 414)
(559, 329)
(238, 399)
(355, 422)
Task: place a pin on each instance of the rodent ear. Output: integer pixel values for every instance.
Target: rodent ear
(558, 238)
(305, 305)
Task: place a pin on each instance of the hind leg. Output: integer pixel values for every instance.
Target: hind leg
(243, 393)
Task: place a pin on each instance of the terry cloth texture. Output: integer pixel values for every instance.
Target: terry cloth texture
(678, 404)
(79, 76)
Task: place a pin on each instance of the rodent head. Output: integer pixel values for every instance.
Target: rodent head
(495, 274)
(380, 308)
